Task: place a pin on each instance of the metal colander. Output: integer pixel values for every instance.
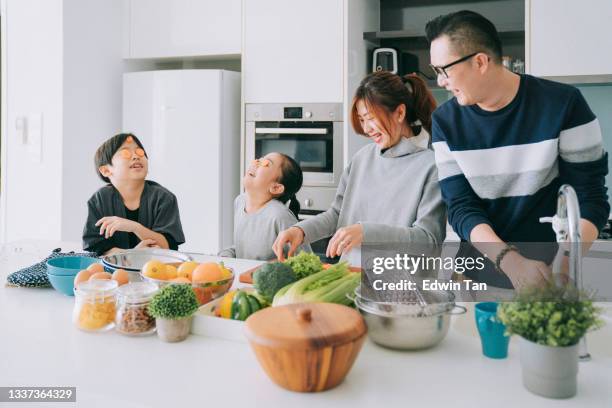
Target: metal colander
(407, 302)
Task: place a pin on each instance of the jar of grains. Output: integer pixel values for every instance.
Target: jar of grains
(133, 318)
(95, 305)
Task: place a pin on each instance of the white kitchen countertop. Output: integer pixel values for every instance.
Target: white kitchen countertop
(39, 346)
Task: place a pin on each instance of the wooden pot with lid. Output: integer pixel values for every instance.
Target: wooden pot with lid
(306, 347)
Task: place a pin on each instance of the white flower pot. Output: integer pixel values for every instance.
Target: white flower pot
(549, 371)
(173, 331)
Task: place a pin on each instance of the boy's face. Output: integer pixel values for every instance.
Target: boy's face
(263, 174)
(129, 163)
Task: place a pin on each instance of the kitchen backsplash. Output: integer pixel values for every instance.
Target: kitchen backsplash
(599, 98)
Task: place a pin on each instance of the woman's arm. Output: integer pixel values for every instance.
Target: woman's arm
(324, 225)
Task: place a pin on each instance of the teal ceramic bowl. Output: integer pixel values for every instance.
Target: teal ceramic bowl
(69, 265)
(63, 284)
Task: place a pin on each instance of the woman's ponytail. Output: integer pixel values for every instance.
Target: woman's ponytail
(294, 206)
(291, 178)
(421, 103)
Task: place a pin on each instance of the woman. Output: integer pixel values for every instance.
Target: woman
(389, 192)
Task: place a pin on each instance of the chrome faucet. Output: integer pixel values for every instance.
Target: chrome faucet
(566, 224)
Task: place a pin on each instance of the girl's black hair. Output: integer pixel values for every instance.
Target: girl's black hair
(292, 178)
(104, 154)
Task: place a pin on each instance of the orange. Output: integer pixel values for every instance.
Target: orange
(154, 269)
(95, 268)
(171, 272)
(100, 275)
(207, 272)
(121, 276)
(82, 276)
(185, 269)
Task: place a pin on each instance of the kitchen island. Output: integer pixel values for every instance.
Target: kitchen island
(39, 346)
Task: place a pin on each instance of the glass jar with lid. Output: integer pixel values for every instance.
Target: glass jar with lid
(95, 305)
(133, 318)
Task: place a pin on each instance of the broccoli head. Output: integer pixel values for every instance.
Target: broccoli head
(272, 277)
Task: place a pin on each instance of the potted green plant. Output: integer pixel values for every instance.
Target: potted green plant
(550, 322)
(173, 308)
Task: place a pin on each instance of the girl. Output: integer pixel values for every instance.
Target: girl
(260, 213)
(129, 212)
(389, 192)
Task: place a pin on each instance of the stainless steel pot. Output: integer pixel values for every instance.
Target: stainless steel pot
(408, 325)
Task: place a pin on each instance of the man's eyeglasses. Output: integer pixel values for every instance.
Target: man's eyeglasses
(441, 70)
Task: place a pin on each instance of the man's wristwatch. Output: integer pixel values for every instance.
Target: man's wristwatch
(503, 253)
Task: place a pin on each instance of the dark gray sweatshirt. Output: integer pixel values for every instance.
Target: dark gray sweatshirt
(394, 194)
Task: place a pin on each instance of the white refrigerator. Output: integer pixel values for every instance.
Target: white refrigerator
(189, 124)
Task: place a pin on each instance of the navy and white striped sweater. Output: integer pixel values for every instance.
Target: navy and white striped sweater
(504, 168)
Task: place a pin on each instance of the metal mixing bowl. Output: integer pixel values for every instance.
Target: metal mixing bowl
(408, 325)
(132, 260)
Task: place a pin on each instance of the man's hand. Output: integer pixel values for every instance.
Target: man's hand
(525, 273)
(110, 225)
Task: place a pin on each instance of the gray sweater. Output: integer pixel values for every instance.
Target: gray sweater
(255, 233)
(394, 194)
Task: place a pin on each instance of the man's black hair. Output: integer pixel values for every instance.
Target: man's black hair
(468, 32)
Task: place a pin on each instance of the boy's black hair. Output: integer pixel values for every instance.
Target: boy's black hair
(468, 32)
(104, 154)
(292, 178)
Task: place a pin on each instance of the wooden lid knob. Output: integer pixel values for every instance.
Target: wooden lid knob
(304, 314)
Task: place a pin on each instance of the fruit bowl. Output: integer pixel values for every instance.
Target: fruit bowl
(205, 290)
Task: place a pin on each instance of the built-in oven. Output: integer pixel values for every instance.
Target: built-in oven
(309, 133)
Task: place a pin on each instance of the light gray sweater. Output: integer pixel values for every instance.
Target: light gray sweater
(394, 194)
(255, 233)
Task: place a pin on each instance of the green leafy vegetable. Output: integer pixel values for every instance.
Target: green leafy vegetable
(271, 277)
(304, 264)
(331, 286)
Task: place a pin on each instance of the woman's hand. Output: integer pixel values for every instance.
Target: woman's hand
(110, 225)
(294, 236)
(345, 239)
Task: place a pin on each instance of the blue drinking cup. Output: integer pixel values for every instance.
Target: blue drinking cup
(491, 330)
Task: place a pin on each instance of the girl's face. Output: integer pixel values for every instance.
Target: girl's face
(263, 174)
(128, 163)
(373, 129)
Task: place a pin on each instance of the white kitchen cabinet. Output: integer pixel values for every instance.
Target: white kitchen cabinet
(569, 38)
(182, 28)
(293, 51)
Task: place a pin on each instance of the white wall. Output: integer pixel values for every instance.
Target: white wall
(34, 85)
(92, 75)
(63, 60)
(361, 16)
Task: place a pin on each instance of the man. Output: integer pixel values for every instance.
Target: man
(504, 145)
